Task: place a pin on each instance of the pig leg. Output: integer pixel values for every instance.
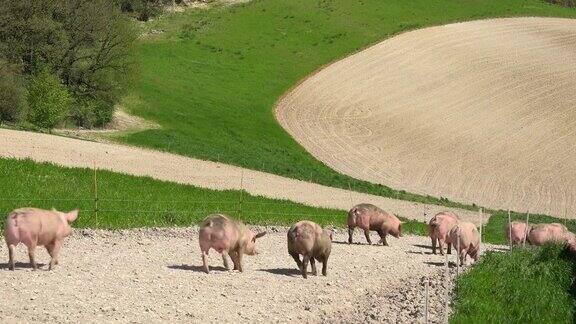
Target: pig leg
(434, 245)
(350, 234)
(31, 252)
(239, 256)
(225, 260)
(296, 258)
(205, 261)
(449, 248)
(11, 256)
(305, 261)
(53, 250)
(382, 234)
(325, 267)
(313, 264)
(367, 234)
(462, 257)
(441, 246)
(234, 257)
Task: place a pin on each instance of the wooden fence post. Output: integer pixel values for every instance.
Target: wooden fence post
(96, 195)
(509, 230)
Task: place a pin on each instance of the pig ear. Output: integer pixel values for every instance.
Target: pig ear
(71, 216)
(259, 235)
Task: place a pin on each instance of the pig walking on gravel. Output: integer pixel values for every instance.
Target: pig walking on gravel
(371, 218)
(517, 232)
(229, 237)
(439, 228)
(313, 243)
(34, 227)
(464, 236)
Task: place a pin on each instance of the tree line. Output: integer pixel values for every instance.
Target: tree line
(67, 61)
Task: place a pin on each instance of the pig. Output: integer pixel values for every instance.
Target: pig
(313, 242)
(33, 227)
(466, 239)
(371, 218)
(439, 228)
(517, 232)
(228, 237)
(548, 233)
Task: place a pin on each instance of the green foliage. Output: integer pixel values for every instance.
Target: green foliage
(532, 285)
(90, 113)
(144, 9)
(48, 100)
(213, 77)
(565, 3)
(12, 98)
(88, 43)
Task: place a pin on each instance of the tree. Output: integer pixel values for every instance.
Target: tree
(88, 43)
(12, 101)
(48, 100)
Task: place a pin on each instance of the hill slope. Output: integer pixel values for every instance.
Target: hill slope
(477, 112)
(212, 77)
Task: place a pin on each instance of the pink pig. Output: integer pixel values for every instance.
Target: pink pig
(228, 237)
(439, 230)
(313, 242)
(464, 236)
(517, 232)
(34, 227)
(371, 218)
(546, 233)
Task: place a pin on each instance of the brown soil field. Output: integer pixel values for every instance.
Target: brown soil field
(478, 112)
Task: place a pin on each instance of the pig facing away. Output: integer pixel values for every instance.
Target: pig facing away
(34, 227)
(439, 228)
(464, 236)
(229, 237)
(548, 233)
(517, 232)
(371, 218)
(313, 243)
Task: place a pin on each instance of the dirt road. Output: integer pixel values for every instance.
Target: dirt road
(479, 112)
(170, 167)
(155, 275)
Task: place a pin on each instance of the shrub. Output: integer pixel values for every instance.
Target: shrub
(12, 101)
(48, 100)
(90, 113)
(565, 3)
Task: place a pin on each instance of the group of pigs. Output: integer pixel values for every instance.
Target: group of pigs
(307, 241)
(520, 233)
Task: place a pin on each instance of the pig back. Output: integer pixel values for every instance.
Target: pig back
(41, 226)
(303, 236)
(219, 232)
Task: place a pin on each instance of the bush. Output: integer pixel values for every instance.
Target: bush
(565, 3)
(90, 113)
(48, 100)
(12, 101)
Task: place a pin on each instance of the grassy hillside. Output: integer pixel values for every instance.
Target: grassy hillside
(523, 286)
(126, 201)
(212, 77)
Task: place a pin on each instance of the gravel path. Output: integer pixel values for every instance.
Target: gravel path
(155, 275)
(479, 112)
(170, 167)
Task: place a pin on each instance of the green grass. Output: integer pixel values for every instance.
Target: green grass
(534, 285)
(213, 77)
(126, 201)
